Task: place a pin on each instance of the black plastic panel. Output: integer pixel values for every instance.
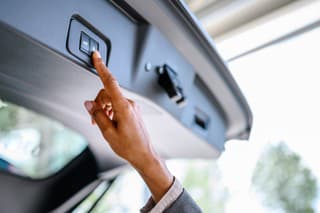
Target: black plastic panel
(22, 194)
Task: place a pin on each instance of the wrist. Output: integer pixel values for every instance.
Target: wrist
(147, 162)
(156, 175)
(141, 160)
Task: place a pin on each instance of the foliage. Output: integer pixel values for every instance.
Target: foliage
(283, 181)
(49, 148)
(201, 178)
(8, 117)
(203, 181)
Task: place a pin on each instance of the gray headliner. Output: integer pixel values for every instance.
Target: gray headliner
(23, 83)
(208, 64)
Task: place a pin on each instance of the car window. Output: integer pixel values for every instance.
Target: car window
(126, 194)
(34, 145)
(93, 198)
(201, 178)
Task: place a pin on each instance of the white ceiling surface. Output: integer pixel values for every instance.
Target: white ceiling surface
(238, 26)
(221, 16)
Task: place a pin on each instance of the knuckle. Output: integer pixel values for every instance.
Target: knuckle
(126, 106)
(96, 112)
(101, 92)
(106, 133)
(99, 95)
(103, 96)
(135, 105)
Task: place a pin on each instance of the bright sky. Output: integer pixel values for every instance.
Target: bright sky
(271, 27)
(281, 84)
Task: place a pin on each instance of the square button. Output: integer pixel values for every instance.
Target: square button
(85, 43)
(93, 45)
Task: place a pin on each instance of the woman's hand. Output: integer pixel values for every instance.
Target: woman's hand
(122, 127)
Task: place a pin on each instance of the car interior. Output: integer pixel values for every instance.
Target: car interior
(163, 60)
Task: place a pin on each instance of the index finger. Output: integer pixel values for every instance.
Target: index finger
(110, 83)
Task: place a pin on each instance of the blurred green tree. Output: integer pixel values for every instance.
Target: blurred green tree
(8, 117)
(283, 181)
(203, 181)
(57, 145)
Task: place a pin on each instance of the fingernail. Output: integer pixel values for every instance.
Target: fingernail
(93, 121)
(97, 54)
(88, 105)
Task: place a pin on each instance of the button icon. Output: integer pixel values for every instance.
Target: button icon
(93, 45)
(85, 43)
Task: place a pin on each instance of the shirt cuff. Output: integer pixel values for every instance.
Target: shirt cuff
(172, 195)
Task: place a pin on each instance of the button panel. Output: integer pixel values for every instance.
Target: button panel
(87, 44)
(93, 45)
(83, 39)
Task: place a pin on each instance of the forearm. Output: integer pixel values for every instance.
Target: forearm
(121, 124)
(156, 176)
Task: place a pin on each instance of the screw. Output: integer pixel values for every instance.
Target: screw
(148, 66)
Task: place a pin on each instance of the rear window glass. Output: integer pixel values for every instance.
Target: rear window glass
(33, 145)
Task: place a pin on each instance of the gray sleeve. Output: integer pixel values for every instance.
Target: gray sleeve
(183, 204)
(175, 200)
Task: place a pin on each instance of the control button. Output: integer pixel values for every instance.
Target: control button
(168, 80)
(85, 43)
(93, 45)
(183, 100)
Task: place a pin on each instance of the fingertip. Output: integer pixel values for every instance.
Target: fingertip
(88, 105)
(96, 54)
(97, 62)
(93, 122)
